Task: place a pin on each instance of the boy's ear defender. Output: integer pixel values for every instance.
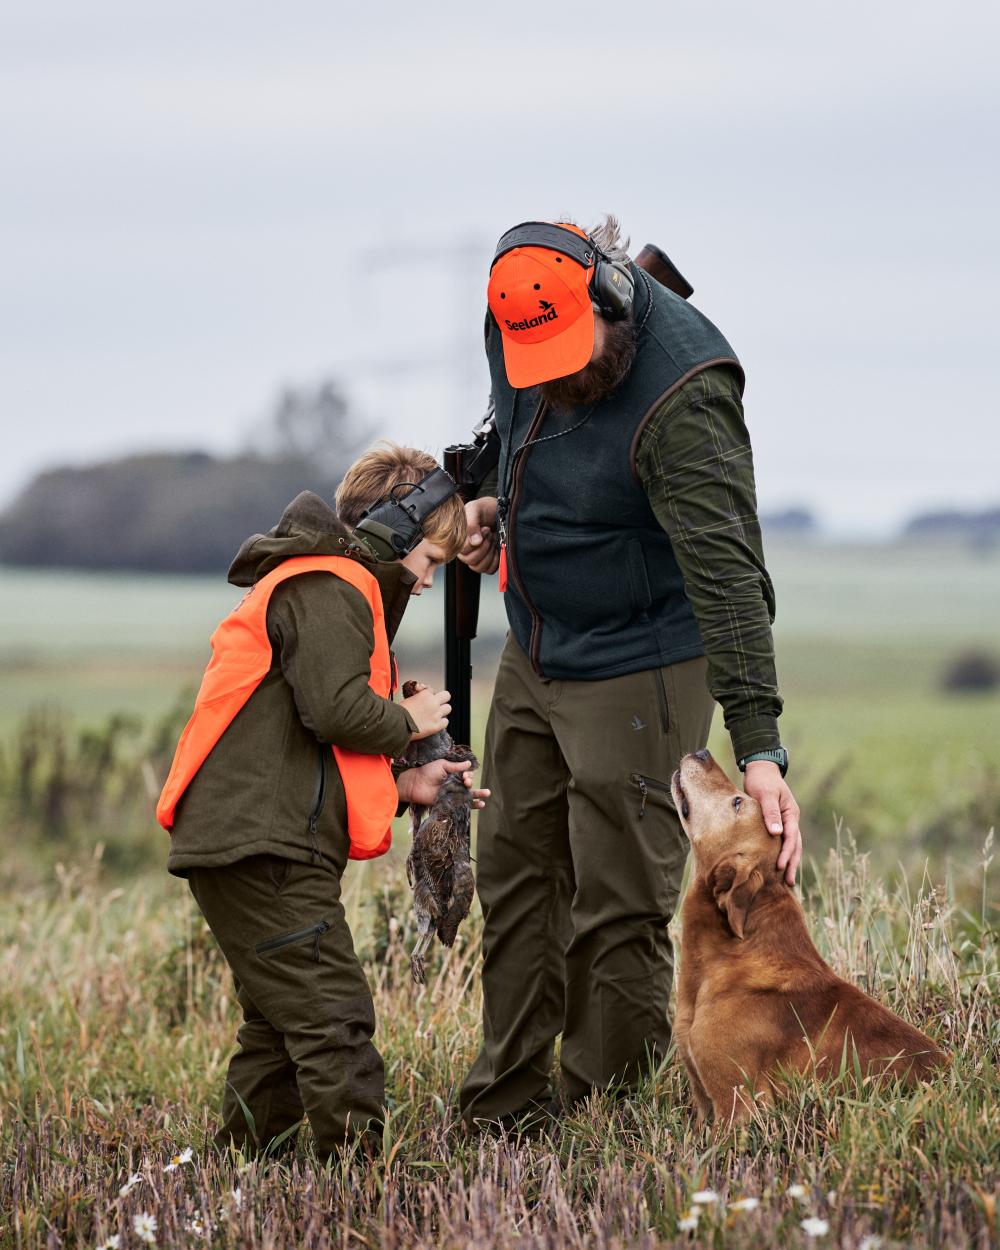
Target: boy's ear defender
(391, 528)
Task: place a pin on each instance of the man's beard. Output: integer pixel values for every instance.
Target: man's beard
(600, 378)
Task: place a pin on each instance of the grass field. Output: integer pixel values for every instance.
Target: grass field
(117, 1014)
(117, 1017)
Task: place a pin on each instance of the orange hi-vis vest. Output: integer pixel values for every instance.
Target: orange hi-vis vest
(241, 658)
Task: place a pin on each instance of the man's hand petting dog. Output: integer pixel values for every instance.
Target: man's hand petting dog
(763, 781)
(421, 785)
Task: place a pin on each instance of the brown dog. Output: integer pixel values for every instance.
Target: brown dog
(755, 997)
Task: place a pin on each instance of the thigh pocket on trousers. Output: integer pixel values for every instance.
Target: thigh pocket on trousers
(273, 945)
(649, 790)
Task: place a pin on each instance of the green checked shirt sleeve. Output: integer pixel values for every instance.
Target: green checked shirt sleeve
(695, 463)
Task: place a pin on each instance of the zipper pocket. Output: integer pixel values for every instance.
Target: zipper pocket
(646, 784)
(318, 802)
(315, 931)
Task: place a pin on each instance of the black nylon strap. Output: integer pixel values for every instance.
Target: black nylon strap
(545, 234)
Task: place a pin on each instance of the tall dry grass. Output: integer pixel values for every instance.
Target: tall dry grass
(117, 1018)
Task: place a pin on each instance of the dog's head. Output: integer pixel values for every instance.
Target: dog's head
(733, 852)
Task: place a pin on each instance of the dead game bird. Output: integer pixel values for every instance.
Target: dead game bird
(439, 865)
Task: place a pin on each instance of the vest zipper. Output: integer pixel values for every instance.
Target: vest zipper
(646, 784)
(318, 802)
(315, 931)
(510, 507)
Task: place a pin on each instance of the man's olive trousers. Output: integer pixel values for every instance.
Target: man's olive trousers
(305, 1044)
(579, 862)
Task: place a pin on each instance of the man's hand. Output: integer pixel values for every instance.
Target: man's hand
(421, 785)
(429, 709)
(763, 781)
(481, 551)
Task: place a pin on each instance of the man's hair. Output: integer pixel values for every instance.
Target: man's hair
(607, 234)
(373, 475)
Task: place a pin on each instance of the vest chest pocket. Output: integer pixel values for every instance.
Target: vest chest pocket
(313, 933)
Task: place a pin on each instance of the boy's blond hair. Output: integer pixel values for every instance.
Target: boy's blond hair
(373, 475)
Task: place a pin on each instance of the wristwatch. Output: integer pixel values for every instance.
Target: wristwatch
(778, 756)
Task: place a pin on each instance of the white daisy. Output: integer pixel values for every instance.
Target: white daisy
(813, 1226)
(688, 1223)
(176, 1161)
(112, 1243)
(745, 1204)
(796, 1191)
(144, 1226)
(705, 1198)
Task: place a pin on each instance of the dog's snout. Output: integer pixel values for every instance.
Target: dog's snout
(704, 756)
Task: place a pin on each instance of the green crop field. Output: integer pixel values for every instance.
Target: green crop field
(117, 1014)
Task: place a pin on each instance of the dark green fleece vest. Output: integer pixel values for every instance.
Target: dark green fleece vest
(593, 588)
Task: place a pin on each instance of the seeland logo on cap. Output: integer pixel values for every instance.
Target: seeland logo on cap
(548, 314)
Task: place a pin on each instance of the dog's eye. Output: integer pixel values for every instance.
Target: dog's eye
(737, 803)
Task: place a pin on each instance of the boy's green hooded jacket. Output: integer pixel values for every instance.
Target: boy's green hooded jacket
(272, 771)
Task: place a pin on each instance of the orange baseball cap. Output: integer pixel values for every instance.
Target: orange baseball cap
(541, 300)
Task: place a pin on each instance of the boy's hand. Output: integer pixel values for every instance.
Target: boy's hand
(430, 710)
(421, 785)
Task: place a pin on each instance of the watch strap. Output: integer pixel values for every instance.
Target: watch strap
(778, 756)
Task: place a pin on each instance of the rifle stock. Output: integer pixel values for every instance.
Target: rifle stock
(469, 464)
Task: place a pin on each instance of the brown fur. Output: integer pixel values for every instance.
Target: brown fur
(755, 997)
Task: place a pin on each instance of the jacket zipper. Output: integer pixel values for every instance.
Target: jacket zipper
(646, 784)
(535, 642)
(319, 802)
(315, 931)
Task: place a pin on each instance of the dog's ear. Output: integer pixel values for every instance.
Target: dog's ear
(735, 883)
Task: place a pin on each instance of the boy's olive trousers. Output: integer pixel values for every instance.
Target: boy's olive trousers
(579, 862)
(308, 1019)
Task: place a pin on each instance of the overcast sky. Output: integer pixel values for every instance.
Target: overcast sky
(194, 195)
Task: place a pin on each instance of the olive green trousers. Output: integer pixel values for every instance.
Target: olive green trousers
(579, 861)
(305, 1044)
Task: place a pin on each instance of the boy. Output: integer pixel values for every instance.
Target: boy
(264, 814)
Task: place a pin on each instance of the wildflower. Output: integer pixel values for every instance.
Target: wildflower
(112, 1243)
(870, 1242)
(200, 1227)
(185, 1156)
(144, 1226)
(237, 1196)
(689, 1222)
(813, 1226)
(797, 1191)
(745, 1204)
(705, 1198)
(831, 1198)
(133, 1180)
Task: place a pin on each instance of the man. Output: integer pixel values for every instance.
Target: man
(283, 771)
(624, 524)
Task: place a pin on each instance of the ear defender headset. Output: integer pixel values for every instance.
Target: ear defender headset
(392, 527)
(612, 286)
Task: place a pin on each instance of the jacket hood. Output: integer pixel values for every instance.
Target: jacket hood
(310, 527)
